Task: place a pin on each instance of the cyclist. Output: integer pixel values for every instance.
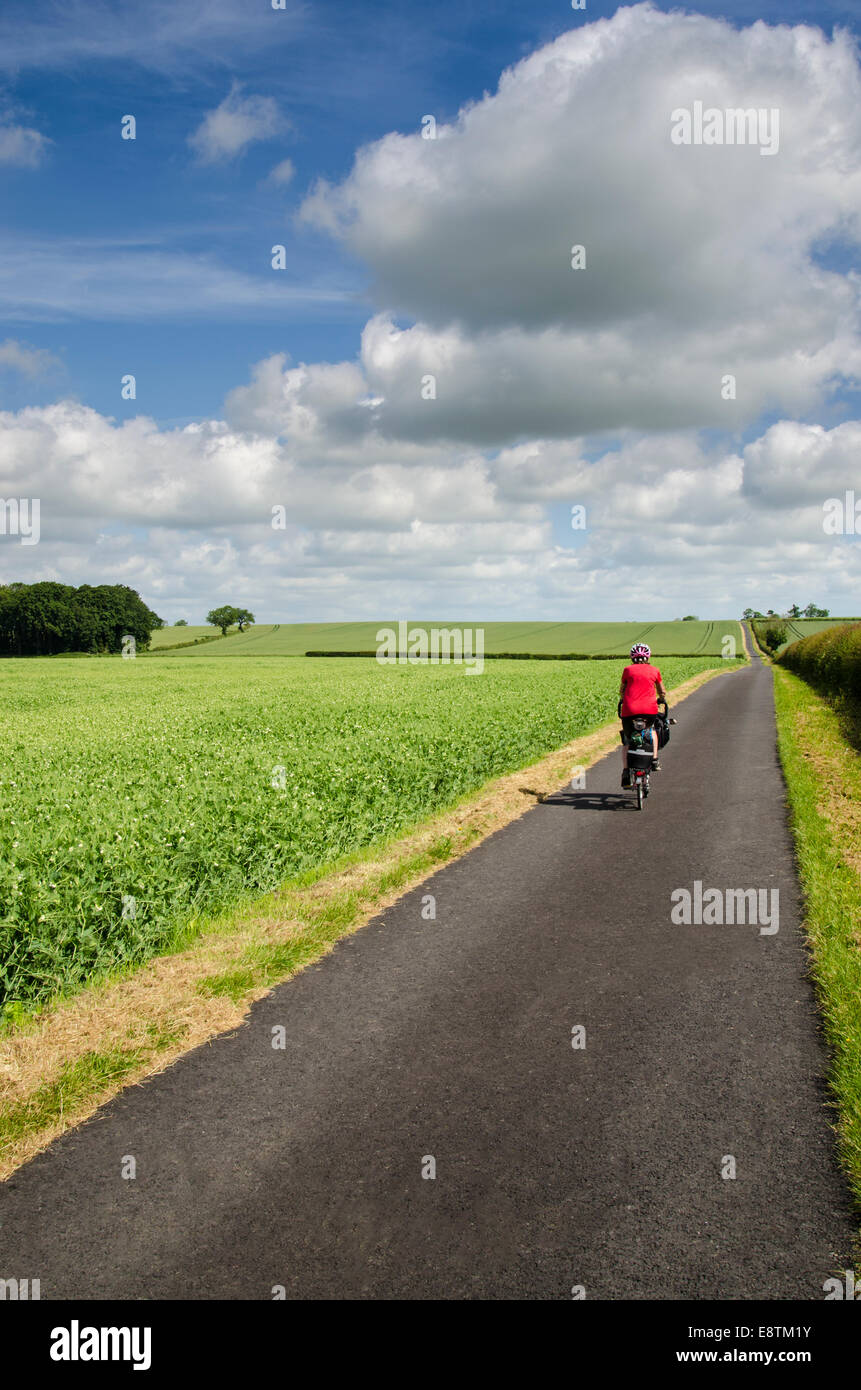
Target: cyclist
(641, 689)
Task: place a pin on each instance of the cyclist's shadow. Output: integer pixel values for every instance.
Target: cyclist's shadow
(591, 801)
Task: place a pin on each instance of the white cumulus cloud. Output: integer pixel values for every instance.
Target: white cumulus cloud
(238, 122)
(700, 261)
(18, 357)
(22, 146)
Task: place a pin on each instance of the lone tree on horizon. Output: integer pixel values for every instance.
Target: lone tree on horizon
(227, 615)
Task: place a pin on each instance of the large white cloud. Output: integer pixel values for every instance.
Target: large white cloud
(490, 388)
(185, 515)
(793, 466)
(575, 147)
(700, 260)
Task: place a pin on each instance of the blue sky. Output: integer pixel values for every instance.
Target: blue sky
(343, 74)
(151, 256)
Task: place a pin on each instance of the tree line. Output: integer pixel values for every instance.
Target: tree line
(795, 611)
(48, 618)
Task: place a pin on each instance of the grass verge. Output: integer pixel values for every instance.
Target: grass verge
(62, 1061)
(818, 744)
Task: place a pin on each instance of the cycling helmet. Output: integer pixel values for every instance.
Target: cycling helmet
(640, 652)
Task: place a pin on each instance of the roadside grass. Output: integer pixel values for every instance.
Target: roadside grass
(60, 1061)
(818, 742)
(76, 1081)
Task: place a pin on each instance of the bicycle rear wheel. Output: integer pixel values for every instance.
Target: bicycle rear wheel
(639, 794)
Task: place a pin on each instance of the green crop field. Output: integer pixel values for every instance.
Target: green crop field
(616, 639)
(138, 796)
(805, 627)
(170, 636)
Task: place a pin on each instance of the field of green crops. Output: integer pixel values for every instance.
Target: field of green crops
(171, 636)
(294, 639)
(805, 627)
(139, 795)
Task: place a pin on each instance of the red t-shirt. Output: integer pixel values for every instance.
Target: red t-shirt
(640, 681)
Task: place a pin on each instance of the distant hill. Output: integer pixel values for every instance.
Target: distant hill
(612, 639)
(171, 636)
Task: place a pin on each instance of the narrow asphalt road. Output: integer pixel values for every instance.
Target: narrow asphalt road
(451, 1039)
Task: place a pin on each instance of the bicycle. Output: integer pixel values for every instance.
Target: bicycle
(640, 756)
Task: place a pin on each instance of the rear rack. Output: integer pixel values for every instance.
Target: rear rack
(639, 760)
